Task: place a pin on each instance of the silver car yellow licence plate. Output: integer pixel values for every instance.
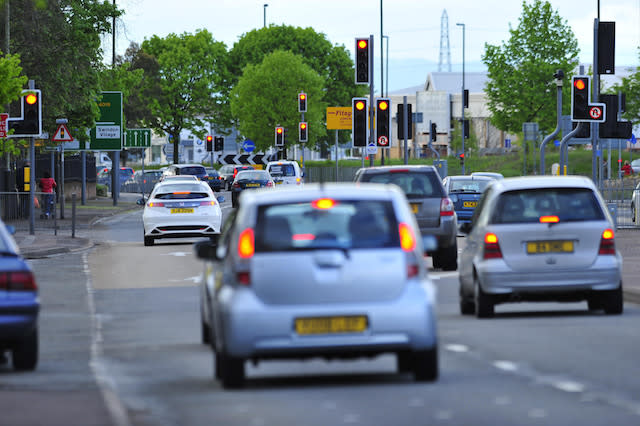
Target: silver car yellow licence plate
(556, 246)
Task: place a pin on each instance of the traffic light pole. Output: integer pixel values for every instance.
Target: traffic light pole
(546, 140)
(372, 134)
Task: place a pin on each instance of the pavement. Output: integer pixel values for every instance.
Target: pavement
(44, 242)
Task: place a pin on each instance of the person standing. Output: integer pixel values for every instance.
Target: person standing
(626, 169)
(47, 185)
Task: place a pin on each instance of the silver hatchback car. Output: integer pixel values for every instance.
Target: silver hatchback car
(331, 270)
(547, 238)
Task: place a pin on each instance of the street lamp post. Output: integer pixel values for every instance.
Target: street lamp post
(462, 93)
(264, 9)
(386, 85)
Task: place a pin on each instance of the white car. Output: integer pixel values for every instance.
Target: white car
(181, 209)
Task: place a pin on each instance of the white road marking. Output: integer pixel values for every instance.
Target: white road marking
(196, 280)
(443, 415)
(178, 253)
(537, 413)
(454, 347)
(505, 365)
(351, 418)
(569, 386)
(502, 400)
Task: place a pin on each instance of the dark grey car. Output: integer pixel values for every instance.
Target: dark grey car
(429, 202)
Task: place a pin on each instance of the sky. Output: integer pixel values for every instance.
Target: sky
(413, 27)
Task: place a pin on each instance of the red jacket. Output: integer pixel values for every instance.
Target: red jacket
(47, 184)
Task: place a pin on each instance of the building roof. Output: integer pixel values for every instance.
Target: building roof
(451, 82)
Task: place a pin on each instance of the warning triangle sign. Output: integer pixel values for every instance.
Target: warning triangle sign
(62, 134)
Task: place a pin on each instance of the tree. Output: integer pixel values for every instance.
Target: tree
(332, 63)
(265, 97)
(521, 87)
(630, 86)
(59, 47)
(193, 78)
(11, 82)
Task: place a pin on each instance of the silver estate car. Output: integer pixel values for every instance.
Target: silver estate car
(547, 238)
(330, 270)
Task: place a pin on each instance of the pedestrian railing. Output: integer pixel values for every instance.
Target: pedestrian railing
(15, 210)
(619, 195)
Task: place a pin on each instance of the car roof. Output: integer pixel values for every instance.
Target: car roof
(409, 167)
(177, 182)
(470, 177)
(534, 182)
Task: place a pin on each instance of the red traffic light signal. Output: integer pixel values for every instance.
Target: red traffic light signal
(582, 109)
(303, 132)
(302, 102)
(359, 121)
(279, 136)
(383, 122)
(362, 60)
(461, 157)
(209, 143)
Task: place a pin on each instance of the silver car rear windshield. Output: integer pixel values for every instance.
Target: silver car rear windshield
(180, 191)
(414, 184)
(327, 224)
(527, 206)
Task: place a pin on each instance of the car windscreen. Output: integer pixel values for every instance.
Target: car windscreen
(414, 184)
(468, 185)
(180, 192)
(528, 206)
(196, 171)
(326, 224)
(256, 175)
(282, 170)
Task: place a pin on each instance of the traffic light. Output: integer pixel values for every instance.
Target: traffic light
(612, 128)
(400, 121)
(362, 60)
(465, 123)
(279, 136)
(302, 131)
(30, 121)
(383, 122)
(433, 134)
(461, 157)
(218, 144)
(359, 121)
(302, 102)
(581, 107)
(465, 98)
(209, 143)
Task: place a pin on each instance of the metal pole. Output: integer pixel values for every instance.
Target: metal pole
(32, 185)
(563, 148)
(596, 95)
(336, 155)
(61, 186)
(558, 124)
(462, 93)
(73, 215)
(83, 192)
(405, 124)
(371, 97)
(264, 9)
(381, 74)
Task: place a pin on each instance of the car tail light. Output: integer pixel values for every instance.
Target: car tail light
(607, 242)
(243, 278)
(491, 247)
(549, 219)
(269, 184)
(298, 181)
(155, 204)
(446, 207)
(407, 238)
(246, 244)
(18, 281)
(236, 185)
(208, 203)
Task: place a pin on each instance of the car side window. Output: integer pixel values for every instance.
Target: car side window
(225, 235)
(475, 218)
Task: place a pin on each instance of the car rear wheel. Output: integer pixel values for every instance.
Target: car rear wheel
(483, 302)
(447, 258)
(205, 329)
(148, 241)
(467, 305)
(613, 301)
(633, 213)
(25, 354)
(231, 371)
(425, 365)
(404, 362)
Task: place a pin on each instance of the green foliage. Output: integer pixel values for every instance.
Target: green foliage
(630, 86)
(521, 87)
(193, 81)
(11, 82)
(122, 78)
(265, 97)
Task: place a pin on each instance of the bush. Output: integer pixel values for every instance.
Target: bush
(101, 190)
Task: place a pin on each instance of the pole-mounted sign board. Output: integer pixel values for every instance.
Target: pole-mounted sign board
(107, 134)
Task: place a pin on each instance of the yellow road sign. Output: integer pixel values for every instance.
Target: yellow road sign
(339, 118)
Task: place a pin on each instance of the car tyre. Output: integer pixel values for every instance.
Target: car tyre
(217, 366)
(148, 241)
(425, 365)
(467, 305)
(404, 362)
(25, 354)
(447, 258)
(205, 329)
(594, 304)
(613, 301)
(633, 213)
(484, 304)
(231, 371)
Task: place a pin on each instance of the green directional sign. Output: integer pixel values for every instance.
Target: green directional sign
(137, 138)
(107, 135)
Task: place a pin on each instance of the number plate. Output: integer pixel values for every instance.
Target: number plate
(331, 325)
(471, 204)
(252, 185)
(415, 207)
(541, 247)
(181, 210)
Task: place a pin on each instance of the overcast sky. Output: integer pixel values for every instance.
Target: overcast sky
(413, 26)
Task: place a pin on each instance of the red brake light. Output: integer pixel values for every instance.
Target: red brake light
(246, 244)
(156, 204)
(208, 203)
(549, 219)
(407, 238)
(491, 247)
(607, 242)
(399, 171)
(446, 207)
(18, 281)
(323, 203)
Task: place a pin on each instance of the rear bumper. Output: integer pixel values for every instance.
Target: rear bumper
(17, 320)
(445, 233)
(252, 330)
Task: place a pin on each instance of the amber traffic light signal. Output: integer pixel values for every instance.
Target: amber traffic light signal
(362, 60)
(209, 143)
(302, 131)
(383, 122)
(359, 121)
(279, 136)
(30, 122)
(302, 102)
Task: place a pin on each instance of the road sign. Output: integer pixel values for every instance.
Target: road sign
(339, 118)
(62, 134)
(3, 125)
(633, 139)
(248, 145)
(372, 149)
(137, 138)
(383, 141)
(245, 159)
(596, 112)
(107, 135)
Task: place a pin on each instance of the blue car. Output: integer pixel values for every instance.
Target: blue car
(19, 305)
(465, 191)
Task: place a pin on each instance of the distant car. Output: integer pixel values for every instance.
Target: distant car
(196, 170)
(181, 209)
(226, 172)
(635, 166)
(285, 172)
(294, 275)
(144, 181)
(249, 179)
(493, 175)
(213, 178)
(19, 305)
(465, 191)
(429, 202)
(540, 238)
(104, 176)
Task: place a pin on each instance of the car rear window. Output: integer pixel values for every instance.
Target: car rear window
(468, 185)
(180, 191)
(253, 175)
(349, 224)
(282, 170)
(414, 184)
(192, 170)
(527, 206)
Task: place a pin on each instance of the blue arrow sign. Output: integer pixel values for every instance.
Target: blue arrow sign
(556, 142)
(248, 145)
(633, 139)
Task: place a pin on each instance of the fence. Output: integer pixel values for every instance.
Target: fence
(15, 210)
(622, 197)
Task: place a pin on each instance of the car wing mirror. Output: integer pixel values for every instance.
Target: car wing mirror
(205, 249)
(141, 201)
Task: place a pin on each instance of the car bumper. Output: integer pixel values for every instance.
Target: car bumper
(177, 225)
(18, 319)
(445, 233)
(252, 329)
